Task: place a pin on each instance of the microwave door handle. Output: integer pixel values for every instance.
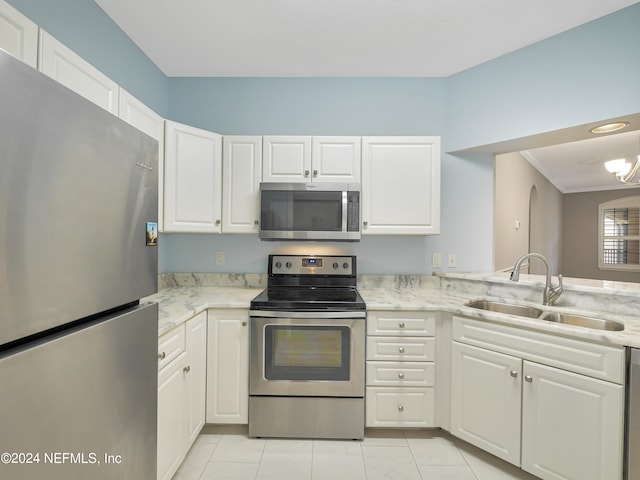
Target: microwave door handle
(345, 197)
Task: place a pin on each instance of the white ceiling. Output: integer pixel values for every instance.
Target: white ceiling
(579, 166)
(430, 38)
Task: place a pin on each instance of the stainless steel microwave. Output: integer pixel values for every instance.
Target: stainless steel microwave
(310, 211)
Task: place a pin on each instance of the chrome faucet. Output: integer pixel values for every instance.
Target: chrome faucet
(550, 293)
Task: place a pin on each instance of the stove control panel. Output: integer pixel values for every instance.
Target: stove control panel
(312, 264)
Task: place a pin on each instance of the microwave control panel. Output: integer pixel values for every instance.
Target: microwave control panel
(353, 211)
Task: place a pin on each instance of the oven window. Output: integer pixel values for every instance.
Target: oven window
(307, 353)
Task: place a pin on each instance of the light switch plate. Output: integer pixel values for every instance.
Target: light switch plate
(451, 260)
(436, 260)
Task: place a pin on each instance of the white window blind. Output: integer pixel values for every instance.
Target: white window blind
(619, 234)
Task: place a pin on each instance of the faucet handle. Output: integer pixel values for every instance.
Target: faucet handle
(556, 291)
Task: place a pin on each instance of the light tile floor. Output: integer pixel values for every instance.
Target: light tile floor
(227, 453)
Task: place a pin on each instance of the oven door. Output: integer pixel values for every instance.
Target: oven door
(307, 357)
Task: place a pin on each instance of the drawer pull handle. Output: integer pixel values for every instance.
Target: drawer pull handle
(401, 324)
(187, 369)
(400, 408)
(528, 378)
(162, 356)
(514, 374)
(401, 349)
(401, 376)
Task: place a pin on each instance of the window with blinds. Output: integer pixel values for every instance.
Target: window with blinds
(619, 234)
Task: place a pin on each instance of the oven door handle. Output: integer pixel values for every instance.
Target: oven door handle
(310, 315)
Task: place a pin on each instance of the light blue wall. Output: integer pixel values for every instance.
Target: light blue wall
(84, 27)
(587, 74)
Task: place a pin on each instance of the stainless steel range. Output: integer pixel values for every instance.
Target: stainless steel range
(307, 350)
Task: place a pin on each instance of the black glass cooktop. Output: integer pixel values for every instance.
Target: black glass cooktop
(309, 298)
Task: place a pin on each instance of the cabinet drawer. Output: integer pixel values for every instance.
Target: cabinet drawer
(408, 374)
(399, 407)
(401, 323)
(413, 349)
(170, 345)
(592, 359)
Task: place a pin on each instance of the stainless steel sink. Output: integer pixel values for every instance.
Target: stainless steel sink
(507, 308)
(580, 321)
(557, 317)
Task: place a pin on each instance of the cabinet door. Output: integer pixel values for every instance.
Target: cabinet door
(193, 167)
(171, 403)
(486, 399)
(196, 376)
(572, 425)
(136, 113)
(286, 159)
(242, 172)
(18, 35)
(401, 185)
(335, 159)
(68, 68)
(228, 367)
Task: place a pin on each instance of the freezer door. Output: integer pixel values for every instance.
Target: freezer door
(78, 187)
(83, 404)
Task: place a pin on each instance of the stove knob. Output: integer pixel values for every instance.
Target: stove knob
(335, 265)
(345, 265)
(288, 264)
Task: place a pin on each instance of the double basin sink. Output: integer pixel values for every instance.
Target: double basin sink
(548, 316)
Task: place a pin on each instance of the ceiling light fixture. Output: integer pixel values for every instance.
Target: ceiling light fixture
(609, 127)
(623, 170)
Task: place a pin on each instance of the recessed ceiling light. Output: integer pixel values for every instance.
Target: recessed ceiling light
(609, 127)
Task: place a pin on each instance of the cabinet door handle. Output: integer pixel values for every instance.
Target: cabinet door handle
(244, 324)
(256, 222)
(306, 173)
(217, 222)
(400, 408)
(401, 376)
(528, 378)
(365, 223)
(401, 349)
(315, 173)
(186, 369)
(514, 374)
(162, 356)
(401, 324)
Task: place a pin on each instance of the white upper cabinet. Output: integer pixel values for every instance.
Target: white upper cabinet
(136, 113)
(311, 159)
(193, 179)
(241, 174)
(335, 159)
(286, 159)
(401, 185)
(68, 68)
(18, 35)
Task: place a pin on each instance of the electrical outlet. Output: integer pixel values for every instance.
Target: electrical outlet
(220, 257)
(451, 260)
(436, 260)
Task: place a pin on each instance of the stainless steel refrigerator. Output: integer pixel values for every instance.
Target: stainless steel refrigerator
(78, 229)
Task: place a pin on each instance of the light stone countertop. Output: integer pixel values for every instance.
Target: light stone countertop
(447, 293)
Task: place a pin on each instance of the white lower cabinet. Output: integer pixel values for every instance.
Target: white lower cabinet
(553, 423)
(400, 370)
(228, 367)
(182, 365)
